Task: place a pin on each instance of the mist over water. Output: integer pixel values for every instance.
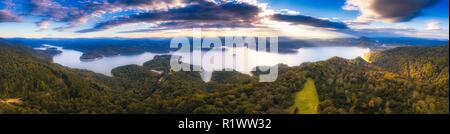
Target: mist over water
(71, 58)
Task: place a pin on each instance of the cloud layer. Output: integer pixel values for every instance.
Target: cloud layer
(388, 10)
(201, 14)
(76, 12)
(211, 14)
(158, 15)
(310, 21)
(6, 16)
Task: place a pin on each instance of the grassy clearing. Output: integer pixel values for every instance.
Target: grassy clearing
(306, 100)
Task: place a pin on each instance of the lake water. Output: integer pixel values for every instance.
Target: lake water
(71, 58)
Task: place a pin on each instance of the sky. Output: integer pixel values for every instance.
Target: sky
(170, 18)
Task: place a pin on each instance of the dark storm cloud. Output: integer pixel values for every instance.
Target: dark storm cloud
(6, 16)
(143, 2)
(185, 25)
(206, 14)
(310, 21)
(140, 2)
(389, 10)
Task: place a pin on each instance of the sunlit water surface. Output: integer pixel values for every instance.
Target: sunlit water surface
(71, 58)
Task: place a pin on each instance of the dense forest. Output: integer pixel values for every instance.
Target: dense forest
(405, 80)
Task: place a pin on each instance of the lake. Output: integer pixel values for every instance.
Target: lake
(71, 58)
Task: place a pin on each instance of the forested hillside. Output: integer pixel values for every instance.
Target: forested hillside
(32, 85)
(44, 87)
(425, 64)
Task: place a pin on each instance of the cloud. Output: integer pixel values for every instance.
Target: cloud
(7, 16)
(186, 25)
(151, 4)
(186, 14)
(309, 21)
(288, 12)
(388, 10)
(199, 14)
(77, 12)
(7, 3)
(433, 25)
(73, 14)
(43, 25)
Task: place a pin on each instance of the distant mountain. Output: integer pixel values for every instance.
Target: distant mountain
(409, 41)
(104, 47)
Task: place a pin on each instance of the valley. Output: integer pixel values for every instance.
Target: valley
(405, 80)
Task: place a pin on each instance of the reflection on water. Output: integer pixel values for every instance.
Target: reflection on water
(71, 58)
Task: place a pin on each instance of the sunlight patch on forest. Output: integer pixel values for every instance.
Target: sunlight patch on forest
(306, 100)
